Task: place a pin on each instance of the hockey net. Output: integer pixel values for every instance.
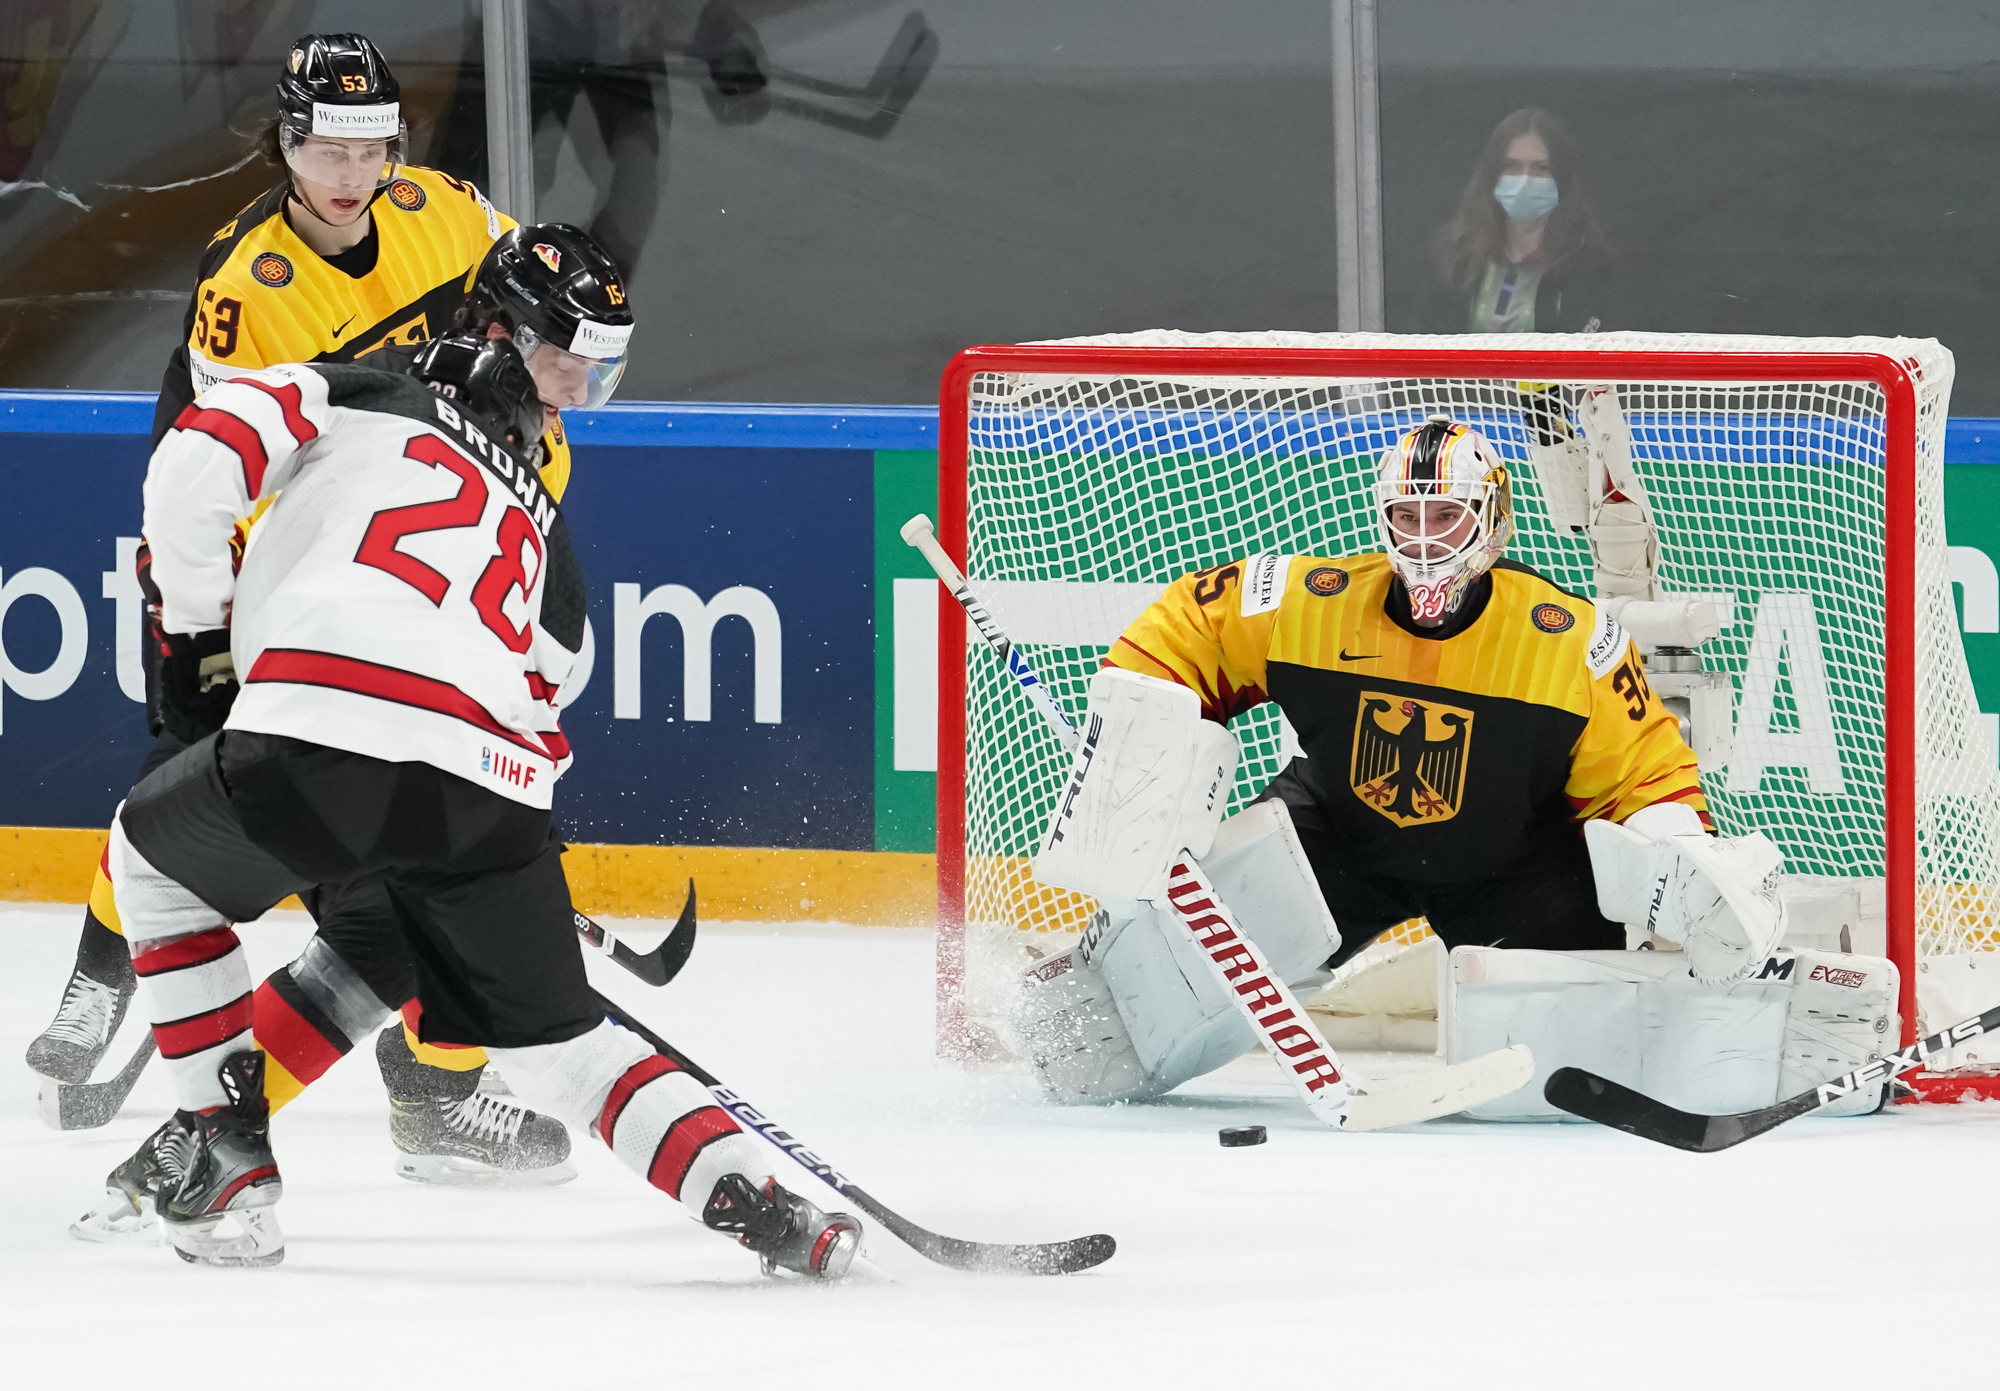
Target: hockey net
(1797, 484)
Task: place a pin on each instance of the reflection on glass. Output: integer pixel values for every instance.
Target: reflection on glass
(1525, 250)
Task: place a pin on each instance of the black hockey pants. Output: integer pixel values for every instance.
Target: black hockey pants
(1549, 903)
(471, 880)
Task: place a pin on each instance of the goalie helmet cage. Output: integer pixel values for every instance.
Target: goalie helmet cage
(1797, 483)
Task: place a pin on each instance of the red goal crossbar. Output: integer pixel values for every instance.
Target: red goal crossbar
(1892, 376)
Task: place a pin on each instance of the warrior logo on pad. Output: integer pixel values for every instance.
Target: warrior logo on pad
(1409, 757)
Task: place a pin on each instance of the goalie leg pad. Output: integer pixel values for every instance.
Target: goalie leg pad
(1641, 1020)
(1149, 780)
(1842, 1015)
(1134, 1011)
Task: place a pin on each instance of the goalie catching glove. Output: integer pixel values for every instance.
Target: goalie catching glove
(1149, 781)
(1716, 896)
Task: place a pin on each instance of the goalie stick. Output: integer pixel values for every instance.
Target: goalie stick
(1234, 961)
(1599, 1099)
(88, 1105)
(983, 1257)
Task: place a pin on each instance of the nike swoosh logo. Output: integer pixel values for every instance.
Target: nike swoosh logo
(1347, 656)
(343, 328)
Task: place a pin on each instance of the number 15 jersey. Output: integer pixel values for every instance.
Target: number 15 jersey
(1447, 755)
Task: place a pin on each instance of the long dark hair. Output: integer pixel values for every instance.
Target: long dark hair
(1475, 235)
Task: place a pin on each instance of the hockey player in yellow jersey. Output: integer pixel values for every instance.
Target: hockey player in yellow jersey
(1460, 713)
(1463, 720)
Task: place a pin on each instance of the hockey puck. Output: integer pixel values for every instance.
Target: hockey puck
(1237, 1136)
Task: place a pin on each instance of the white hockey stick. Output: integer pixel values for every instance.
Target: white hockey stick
(1234, 960)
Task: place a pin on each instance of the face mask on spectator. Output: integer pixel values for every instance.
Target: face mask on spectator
(1525, 199)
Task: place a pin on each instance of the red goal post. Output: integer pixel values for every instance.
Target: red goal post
(1876, 404)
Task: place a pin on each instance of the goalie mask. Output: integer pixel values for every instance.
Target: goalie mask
(1445, 505)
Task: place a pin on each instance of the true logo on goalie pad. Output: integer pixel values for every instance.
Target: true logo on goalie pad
(1409, 757)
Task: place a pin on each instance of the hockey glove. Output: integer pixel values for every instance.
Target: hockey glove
(197, 683)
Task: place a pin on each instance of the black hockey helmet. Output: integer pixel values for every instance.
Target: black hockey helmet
(487, 379)
(339, 87)
(555, 289)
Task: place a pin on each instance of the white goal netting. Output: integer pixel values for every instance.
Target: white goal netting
(1087, 492)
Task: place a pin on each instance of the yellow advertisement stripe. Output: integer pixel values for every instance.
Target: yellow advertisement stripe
(41, 864)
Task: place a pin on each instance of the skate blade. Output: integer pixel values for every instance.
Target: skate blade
(117, 1223)
(453, 1171)
(246, 1237)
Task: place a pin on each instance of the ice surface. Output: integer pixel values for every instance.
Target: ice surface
(1831, 1253)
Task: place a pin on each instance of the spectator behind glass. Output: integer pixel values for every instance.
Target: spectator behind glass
(1525, 251)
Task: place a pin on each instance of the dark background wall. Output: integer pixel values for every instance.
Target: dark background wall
(908, 180)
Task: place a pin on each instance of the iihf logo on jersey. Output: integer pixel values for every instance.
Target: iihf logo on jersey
(486, 760)
(1399, 768)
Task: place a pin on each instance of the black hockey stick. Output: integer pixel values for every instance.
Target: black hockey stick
(1599, 1099)
(87, 1105)
(655, 967)
(984, 1257)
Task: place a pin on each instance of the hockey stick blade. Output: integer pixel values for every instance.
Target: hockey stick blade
(88, 1105)
(1608, 1103)
(657, 966)
(983, 1257)
(1440, 1091)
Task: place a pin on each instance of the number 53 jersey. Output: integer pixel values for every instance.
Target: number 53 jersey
(1446, 755)
(410, 594)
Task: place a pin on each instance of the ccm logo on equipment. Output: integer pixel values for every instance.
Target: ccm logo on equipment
(510, 770)
(1552, 618)
(271, 270)
(1834, 975)
(406, 195)
(1326, 581)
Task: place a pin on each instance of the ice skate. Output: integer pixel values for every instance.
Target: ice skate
(74, 1043)
(128, 1210)
(462, 1128)
(786, 1231)
(223, 1210)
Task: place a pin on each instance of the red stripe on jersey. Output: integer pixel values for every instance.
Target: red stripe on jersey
(180, 1037)
(540, 688)
(290, 400)
(688, 1137)
(300, 667)
(636, 1076)
(292, 1040)
(234, 432)
(197, 950)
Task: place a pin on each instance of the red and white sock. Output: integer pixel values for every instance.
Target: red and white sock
(661, 1122)
(198, 996)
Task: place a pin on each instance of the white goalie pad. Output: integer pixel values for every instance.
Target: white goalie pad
(1718, 898)
(1132, 1012)
(1149, 780)
(1640, 1019)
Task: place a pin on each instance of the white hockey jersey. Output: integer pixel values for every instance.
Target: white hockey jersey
(410, 594)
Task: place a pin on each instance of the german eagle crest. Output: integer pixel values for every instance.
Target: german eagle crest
(1409, 757)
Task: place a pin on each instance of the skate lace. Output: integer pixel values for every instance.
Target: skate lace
(85, 1016)
(174, 1152)
(488, 1117)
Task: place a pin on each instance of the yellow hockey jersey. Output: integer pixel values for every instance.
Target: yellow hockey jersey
(264, 297)
(1444, 755)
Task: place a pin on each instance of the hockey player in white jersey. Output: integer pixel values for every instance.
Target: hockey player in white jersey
(406, 613)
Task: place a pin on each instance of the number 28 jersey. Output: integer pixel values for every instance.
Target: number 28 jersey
(1444, 756)
(410, 594)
